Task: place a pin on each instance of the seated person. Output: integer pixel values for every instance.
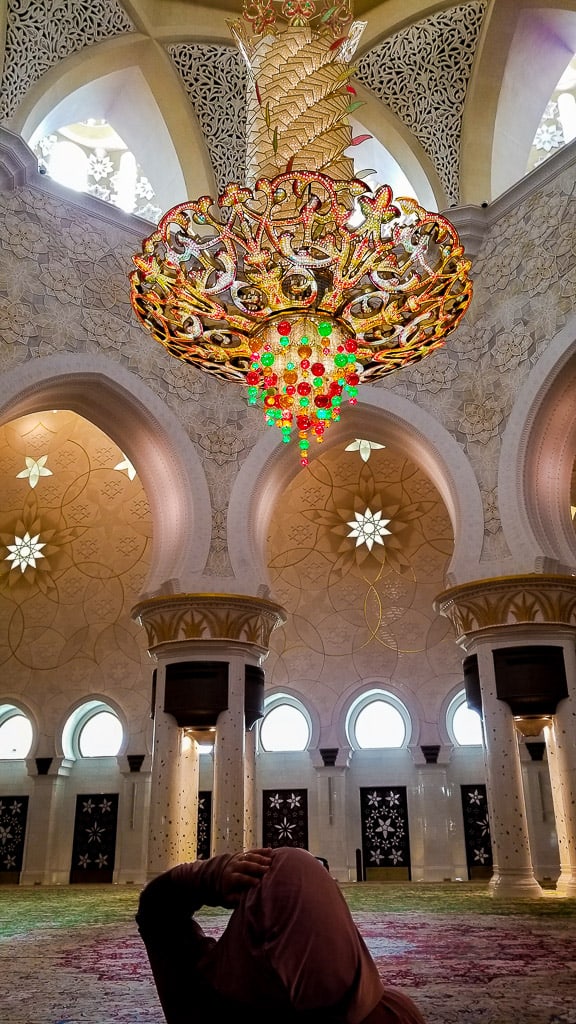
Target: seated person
(290, 951)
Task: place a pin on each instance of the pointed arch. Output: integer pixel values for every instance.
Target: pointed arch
(130, 82)
(383, 416)
(138, 421)
(537, 458)
(521, 57)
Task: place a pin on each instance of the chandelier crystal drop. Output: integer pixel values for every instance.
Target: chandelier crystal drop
(305, 284)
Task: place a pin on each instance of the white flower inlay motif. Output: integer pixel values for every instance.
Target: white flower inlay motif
(285, 829)
(24, 551)
(368, 528)
(385, 827)
(5, 834)
(100, 164)
(35, 468)
(126, 465)
(364, 447)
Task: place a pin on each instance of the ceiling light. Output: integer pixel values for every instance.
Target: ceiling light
(304, 284)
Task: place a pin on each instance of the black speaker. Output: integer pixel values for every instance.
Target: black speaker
(472, 683)
(530, 679)
(196, 692)
(253, 694)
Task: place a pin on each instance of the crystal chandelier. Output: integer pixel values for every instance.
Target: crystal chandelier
(304, 283)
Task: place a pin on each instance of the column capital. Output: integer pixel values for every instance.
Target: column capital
(530, 599)
(231, 618)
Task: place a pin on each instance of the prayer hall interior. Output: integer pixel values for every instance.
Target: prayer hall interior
(237, 609)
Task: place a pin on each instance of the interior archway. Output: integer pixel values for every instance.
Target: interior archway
(146, 431)
(381, 416)
(543, 44)
(134, 87)
(538, 451)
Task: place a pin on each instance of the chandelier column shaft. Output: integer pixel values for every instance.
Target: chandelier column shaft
(231, 815)
(172, 833)
(297, 106)
(561, 750)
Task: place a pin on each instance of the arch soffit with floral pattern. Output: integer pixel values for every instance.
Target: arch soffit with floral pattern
(382, 416)
(147, 431)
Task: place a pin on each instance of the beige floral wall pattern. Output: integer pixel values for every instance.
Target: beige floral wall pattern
(75, 535)
(32, 29)
(358, 610)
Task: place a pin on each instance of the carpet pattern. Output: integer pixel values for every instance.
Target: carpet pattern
(72, 955)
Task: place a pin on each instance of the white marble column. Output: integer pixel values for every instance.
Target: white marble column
(173, 802)
(565, 739)
(329, 827)
(250, 813)
(132, 838)
(43, 847)
(429, 829)
(541, 814)
(48, 846)
(561, 749)
(457, 859)
(522, 611)
(513, 873)
(190, 778)
(209, 627)
(229, 749)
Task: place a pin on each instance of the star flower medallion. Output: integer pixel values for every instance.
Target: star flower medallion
(368, 528)
(24, 551)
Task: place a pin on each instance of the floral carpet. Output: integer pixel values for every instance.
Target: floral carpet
(71, 955)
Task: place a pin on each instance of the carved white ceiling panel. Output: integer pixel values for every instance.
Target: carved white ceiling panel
(422, 74)
(47, 33)
(215, 79)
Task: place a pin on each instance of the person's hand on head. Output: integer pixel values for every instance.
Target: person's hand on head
(242, 872)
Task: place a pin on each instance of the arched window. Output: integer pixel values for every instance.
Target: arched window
(16, 733)
(93, 730)
(286, 725)
(68, 165)
(463, 723)
(91, 157)
(558, 124)
(378, 719)
(100, 736)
